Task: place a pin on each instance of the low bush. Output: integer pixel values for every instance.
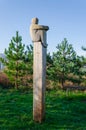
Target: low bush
(4, 81)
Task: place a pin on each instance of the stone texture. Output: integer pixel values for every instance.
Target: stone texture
(39, 82)
(38, 32)
(38, 36)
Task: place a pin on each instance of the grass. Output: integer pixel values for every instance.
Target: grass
(64, 111)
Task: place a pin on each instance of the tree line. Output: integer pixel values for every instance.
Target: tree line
(63, 66)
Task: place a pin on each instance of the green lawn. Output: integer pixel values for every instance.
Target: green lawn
(64, 111)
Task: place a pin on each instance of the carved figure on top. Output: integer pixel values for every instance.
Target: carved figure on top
(38, 32)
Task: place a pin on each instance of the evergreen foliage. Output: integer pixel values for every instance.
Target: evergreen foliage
(63, 65)
(63, 61)
(15, 55)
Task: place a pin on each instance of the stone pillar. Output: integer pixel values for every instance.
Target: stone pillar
(38, 36)
(39, 82)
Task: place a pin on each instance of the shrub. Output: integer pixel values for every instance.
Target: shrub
(4, 81)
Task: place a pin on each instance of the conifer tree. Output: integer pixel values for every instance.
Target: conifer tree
(14, 63)
(63, 61)
(28, 65)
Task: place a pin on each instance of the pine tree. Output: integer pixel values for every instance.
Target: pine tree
(49, 65)
(84, 57)
(63, 61)
(14, 63)
(29, 65)
(84, 48)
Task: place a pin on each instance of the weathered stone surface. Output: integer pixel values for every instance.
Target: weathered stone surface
(38, 36)
(38, 32)
(39, 82)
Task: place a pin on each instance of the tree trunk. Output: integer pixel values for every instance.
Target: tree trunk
(62, 83)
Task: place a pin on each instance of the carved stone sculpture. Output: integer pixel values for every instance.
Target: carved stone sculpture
(38, 36)
(38, 32)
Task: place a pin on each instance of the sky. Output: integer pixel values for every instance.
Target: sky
(65, 18)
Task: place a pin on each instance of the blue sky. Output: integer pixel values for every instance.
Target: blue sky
(65, 18)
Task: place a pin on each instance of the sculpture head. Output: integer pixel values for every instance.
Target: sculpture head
(35, 20)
